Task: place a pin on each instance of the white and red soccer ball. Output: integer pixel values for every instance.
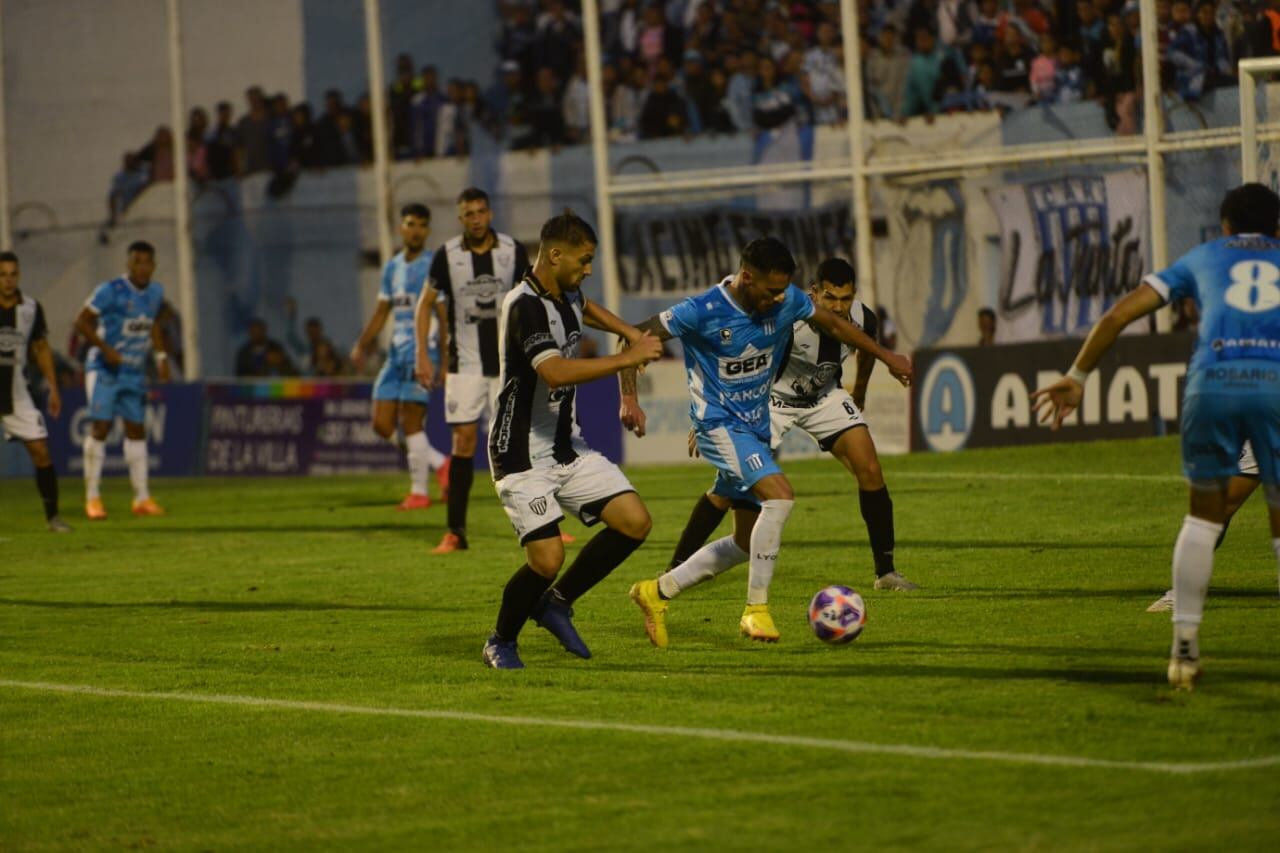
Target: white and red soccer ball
(837, 615)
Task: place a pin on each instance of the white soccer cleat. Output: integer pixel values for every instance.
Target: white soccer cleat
(896, 582)
(1163, 604)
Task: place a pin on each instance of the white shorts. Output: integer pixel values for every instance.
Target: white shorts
(538, 498)
(1248, 464)
(26, 423)
(825, 421)
(468, 397)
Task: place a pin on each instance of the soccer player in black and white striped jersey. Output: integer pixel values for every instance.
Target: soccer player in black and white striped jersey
(541, 466)
(473, 272)
(23, 331)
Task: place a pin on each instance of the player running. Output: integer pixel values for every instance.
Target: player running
(473, 272)
(118, 321)
(733, 335)
(541, 466)
(1232, 391)
(808, 395)
(23, 330)
(397, 395)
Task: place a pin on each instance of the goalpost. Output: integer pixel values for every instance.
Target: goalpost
(1253, 134)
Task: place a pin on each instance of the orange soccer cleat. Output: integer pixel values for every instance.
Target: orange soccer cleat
(147, 506)
(450, 543)
(414, 502)
(567, 538)
(94, 510)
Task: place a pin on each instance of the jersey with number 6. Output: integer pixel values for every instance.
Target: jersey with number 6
(1236, 282)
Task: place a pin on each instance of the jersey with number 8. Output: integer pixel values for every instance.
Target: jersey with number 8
(1236, 282)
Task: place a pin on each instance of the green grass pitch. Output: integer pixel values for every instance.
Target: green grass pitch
(1029, 637)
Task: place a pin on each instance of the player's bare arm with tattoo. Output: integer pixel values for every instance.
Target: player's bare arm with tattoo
(632, 415)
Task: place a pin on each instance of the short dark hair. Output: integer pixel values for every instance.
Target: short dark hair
(10, 257)
(141, 246)
(1252, 209)
(473, 194)
(569, 228)
(768, 254)
(416, 209)
(838, 271)
(987, 312)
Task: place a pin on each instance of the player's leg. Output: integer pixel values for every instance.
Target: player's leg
(100, 388)
(46, 483)
(776, 501)
(529, 501)
(135, 457)
(466, 398)
(707, 514)
(413, 416)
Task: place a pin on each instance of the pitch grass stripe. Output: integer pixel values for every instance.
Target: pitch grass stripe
(730, 735)
(1045, 476)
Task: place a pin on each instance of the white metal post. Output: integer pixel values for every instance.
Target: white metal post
(381, 139)
(600, 156)
(1153, 129)
(6, 227)
(182, 201)
(857, 152)
(1248, 123)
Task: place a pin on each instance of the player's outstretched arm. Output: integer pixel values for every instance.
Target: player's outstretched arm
(371, 330)
(598, 317)
(844, 331)
(630, 413)
(423, 368)
(1060, 399)
(557, 371)
(866, 363)
(87, 326)
(161, 350)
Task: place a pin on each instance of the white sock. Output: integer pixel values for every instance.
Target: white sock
(416, 446)
(135, 456)
(435, 459)
(707, 562)
(94, 453)
(766, 539)
(1192, 568)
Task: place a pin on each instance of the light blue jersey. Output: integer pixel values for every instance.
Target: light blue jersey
(730, 356)
(125, 316)
(730, 359)
(402, 285)
(1233, 380)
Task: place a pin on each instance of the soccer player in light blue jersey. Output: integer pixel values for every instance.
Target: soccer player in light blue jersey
(118, 321)
(1232, 392)
(733, 335)
(398, 397)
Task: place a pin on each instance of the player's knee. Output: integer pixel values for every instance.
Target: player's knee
(870, 476)
(464, 442)
(100, 430)
(548, 559)
(636, 525)
(384, 428)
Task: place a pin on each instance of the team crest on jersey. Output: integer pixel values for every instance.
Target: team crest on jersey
(538, 506)
(726, 336)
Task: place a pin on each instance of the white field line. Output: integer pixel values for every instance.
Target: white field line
(728, 735)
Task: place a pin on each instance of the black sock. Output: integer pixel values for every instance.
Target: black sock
(877, 512)
(604, 553)
(462, 471)
(1223, 535)
(518, 600)
(47, 483)
(703, 521)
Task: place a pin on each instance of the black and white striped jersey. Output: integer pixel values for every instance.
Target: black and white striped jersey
(534, 425)
(20, 326)
(811, 363)
(473, 285)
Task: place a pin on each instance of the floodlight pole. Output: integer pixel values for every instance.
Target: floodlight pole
(182, 200)
(608, 256)
(381, 139)
(6, 226)
(1153, 128)
(857, 125)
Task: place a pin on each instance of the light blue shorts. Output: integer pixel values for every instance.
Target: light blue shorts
(111, 394)
(396, 381)
(1215, 426)
(741, 459)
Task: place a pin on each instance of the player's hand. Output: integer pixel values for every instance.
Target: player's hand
(55, 403)
(425, 372)
(111, 356)
(645, 349)
(356, 357)
(693, 445)
(860, 400)
(1057, 401)
(900, 368)
(632, 416)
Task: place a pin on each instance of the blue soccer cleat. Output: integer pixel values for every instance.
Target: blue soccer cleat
(554, 614)
(501, 654)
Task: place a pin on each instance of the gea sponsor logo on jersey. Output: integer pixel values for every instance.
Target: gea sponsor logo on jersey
(404, 300)
(10, 338)
(750, 364)
(137, 327)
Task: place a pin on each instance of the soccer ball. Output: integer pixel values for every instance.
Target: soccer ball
(837, 615)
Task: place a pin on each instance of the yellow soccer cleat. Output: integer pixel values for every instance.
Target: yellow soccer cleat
(1183, 673)
(147, 506)
(645, 595)
(757, 624)
(94, 510)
